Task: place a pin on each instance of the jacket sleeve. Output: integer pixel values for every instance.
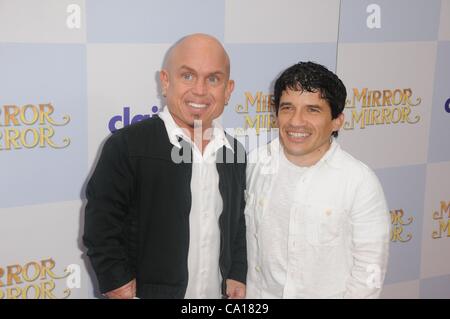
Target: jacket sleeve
(108, 196)
(370, 222)
(238, 269)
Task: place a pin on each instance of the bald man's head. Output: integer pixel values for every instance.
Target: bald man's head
(197, 39)
(196, 81)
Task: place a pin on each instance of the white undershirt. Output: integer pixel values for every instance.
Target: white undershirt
(274, 227)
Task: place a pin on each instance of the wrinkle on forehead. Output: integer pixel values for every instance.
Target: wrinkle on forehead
(198, 39)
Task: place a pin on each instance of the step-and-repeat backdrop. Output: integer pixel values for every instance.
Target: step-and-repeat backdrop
(73, 71)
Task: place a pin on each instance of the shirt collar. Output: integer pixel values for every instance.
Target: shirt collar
(175, 132)
(331, 156)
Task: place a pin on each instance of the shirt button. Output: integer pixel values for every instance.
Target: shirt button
(258, 269)
(256, 235)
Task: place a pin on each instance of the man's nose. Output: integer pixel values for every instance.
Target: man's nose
(200, 87)
(298, 118)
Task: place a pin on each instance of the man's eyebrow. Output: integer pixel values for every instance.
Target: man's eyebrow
(285, 103)
(187, 68)
(314, 105)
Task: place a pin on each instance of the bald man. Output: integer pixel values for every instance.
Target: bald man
(165, 204)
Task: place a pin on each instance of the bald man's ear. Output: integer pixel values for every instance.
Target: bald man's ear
(228, 90)
(164, 79)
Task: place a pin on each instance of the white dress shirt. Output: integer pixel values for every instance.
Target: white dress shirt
(204, 234)
(336, 236)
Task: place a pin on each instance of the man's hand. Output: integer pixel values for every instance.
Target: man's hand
(235, 289)
(127, 291)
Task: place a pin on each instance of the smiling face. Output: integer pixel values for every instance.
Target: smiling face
(306, 125)
(196, 81)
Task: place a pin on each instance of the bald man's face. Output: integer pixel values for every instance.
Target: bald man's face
(196, 82)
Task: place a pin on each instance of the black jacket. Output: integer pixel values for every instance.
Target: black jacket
(137, 213)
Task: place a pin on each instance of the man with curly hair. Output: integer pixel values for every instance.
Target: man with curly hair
(317, 219)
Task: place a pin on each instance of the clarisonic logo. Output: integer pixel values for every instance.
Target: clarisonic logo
(126, 119)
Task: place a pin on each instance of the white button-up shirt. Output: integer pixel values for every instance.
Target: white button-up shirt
(204, 233)
(336, 237)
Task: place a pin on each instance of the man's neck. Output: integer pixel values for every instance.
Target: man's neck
(309, 159)
(198, 134)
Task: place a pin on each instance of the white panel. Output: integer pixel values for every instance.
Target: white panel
(282, 21)
(120, 76)
(444, 30)
(33, 234)
(43, 21)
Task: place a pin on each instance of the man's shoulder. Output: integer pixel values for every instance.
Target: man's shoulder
(140, 127)
(144, 137)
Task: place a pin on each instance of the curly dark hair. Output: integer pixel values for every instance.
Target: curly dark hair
(312, 77)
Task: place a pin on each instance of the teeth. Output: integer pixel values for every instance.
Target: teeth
(296, 134)
(197, 106)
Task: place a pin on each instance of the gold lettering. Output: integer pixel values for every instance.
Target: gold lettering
(47, 288)
(407, 110)
(45, 138)
(45, 111)
(37, 292)
(376, 98)
(36, 272)
(252, 124)
(13, 293)
(35, 138)
(387, 95)
(11, 117)
(443, 227)
(359, 96)
(2, 273)
(396, 235)
(398, 101)
(35, 113)
(46, 269)
(397, 217)
(13, 275)
(445, 208)
(252, 100)
(357, 117)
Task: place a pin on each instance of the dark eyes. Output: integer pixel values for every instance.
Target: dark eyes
(310, 109)
(286, 108)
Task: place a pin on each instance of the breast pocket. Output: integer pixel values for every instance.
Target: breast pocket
(324, 224)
